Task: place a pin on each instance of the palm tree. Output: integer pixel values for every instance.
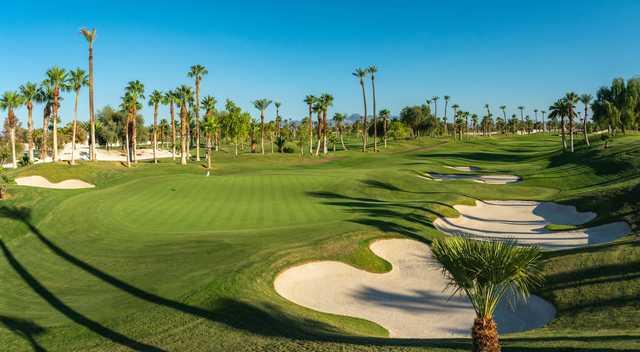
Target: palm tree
(544, 124)
(474, 122)
(262, 105)
(317, 108)
(197, 72)
(504, 112)
(90, 36)
(211, 125)
(77, 79)
(384, 113)
(310, 100)
(338, 120)
(446, 103)
(435, 105)
(586, 100)
(184, 95)
(326, 101)
(372, 70)
(521, 108)
(455, 108)
(155, 99)
(45, 96)
(171, 100)
(29, 93)
(487, 273)
(535, 111)
(9, 102)
(560, 109)
(57, 78)
(361, 74)
(572, 99)
(136, 90)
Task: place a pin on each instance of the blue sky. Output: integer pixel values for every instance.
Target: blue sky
(496, 52)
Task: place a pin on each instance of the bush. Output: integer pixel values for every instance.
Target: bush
(4, 181)
(288, 150)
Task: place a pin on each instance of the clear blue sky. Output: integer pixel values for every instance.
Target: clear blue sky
(496, 52)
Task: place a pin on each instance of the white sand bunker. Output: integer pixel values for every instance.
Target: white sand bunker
(39, 181)
(464, 168)
(525, 221)
(410, 301)
(488, 179)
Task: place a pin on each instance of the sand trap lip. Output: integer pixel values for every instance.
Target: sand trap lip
(464, 168)
(409, 301)
(525, 221)
(488, 179)
(39, 181)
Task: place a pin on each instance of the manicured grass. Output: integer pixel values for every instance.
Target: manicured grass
(161, 257)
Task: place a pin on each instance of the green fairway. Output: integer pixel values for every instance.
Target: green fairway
(160, 257)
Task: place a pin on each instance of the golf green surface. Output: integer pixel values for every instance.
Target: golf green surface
(162, 258)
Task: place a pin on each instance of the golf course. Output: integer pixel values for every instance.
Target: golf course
(160, 257)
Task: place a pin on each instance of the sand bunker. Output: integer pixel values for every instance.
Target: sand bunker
(464, 168)
(39, 181)
(488, 179)
(525, 221)
(410, 301)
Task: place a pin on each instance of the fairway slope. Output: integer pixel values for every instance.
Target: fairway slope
(525, 222)
(410, 301)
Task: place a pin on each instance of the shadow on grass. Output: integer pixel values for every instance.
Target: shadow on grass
(26, 329)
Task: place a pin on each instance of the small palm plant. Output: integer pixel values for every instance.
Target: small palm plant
(486, 272)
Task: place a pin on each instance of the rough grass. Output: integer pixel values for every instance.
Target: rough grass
(159, 257)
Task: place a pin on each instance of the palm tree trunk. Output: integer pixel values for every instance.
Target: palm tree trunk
(319, 133)
(310, 130)
(92, 117)
(341, 139)
(45, 133)
(12, 134)
(384, 127)
(183, 135)
(584, 126)
(126, 134)
(262, 131)
(30, 131)
(155, 132)
(484, 335)
(197, 125)
(236, 146)
(73, 133)
(364, 119)
(375, 125)
(173, 129)
(571, 132)
(55, 124)
(564, 142)
(324, 132)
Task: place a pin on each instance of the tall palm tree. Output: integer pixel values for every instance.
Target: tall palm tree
(455, 108)
(521, 108)
(446, 103)
(90, 36)
(435, 105)
(560, 109)
(384, 113)
(136, 90)
(57, 78)
(171, 100)
(326, 101)
(488, 273)
(197, 72)
(45, 96)
(571, 98)
(544, 124)
(262, 105)
(372, 70)
(184, 95)
(504, 112)
(9, 102)
(317, 108)
(361, 74)
(310, 100)
(586, 100)
(535, 111)
(29, 93)
(211, 125)
(76, 80)
(155, 99)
